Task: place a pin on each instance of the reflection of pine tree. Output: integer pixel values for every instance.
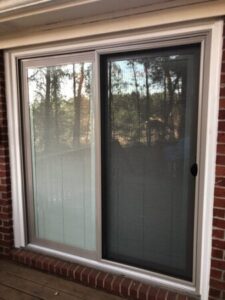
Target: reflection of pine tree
(47, 121)
(147, 101)
(57, 75)
(78, 83)
(58, 122)
(155, 98)
(137, 93)
(169, 72)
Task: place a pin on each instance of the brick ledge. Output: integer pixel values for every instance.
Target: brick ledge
(113, 284)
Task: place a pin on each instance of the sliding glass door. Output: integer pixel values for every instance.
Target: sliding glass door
(148, 156)
(149, 115)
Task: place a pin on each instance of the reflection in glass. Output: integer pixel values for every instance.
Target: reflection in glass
(60, 103)
(149, 122)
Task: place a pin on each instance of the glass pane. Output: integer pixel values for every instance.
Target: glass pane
(149, 124)
(61, 125)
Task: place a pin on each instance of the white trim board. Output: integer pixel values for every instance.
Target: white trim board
(108, 24)
(209, 33)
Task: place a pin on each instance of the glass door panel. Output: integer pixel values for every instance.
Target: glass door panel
(149, 137)
(60, 144)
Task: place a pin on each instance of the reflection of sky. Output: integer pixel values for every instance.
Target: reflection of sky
(66, 82)
(126, 75)
(127, 83)
(123, 80)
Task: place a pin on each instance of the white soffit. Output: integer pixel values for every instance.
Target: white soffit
(28, 22)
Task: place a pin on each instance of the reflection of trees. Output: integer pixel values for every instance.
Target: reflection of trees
(137, 94)
(60, 104)
(149, 102)
(77, 102)
(146, 97)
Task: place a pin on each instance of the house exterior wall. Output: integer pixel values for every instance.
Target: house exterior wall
(6, 226)
(217, 277)
(113, 283)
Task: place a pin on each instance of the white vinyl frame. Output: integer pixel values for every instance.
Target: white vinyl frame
(209, 34)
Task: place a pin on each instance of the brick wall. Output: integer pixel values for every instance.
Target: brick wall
(94, 278)
(217, 278)
(113, 284)
(6, 232)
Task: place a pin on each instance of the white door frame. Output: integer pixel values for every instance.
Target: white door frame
(210, 35)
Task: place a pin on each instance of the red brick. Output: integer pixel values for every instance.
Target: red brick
(222, 111)
(64, 269)
(221, 126)
(100, 279)
(220, 213)
(219, 203)
(75, 272)
(219, 223)
(220, 171)
(162, 295)
(125, 286)
(216, 273)
(218, 264)
(220, 244)
(96, 278)
(30, 259)
(219, 192)
(7, 237)
(224, 276)
(220, 159)
(15, 253)
(134, 288)
(217, 233)
(6, 230)
(79, 273)
(116, 285)
(6, 243)
(71, 271)
(223, 67)
(214, 293)
(6, 181)
(6, 196)
(39, 261)
(92, 280)
(223, 58)
(220, 181)
(152, 293)
(182, 297)
(108, 282)
(220, 285)
(22, 257)
(143, 292)
(4, 202)
(172, 296)
(84, 275)
(216, 253)
(223, 75)
(7, 209)
(222, 103)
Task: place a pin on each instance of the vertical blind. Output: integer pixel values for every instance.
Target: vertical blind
(62, 150)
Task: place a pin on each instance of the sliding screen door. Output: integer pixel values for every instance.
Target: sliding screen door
(149, 138)
(59, 152)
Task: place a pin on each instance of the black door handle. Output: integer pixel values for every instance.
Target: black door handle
(194, 169)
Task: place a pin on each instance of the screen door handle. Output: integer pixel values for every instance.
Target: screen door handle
(194, 169)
